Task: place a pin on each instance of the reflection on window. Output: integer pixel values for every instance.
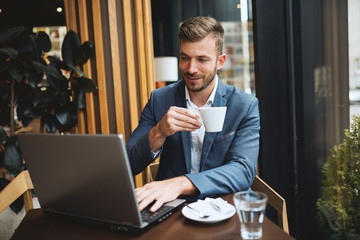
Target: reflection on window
(238, 69)
(354, 57)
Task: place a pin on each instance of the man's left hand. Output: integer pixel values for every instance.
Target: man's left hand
(164, 191)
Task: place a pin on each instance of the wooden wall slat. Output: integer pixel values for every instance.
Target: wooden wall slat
(71, 24)
(70, 15)
(149, 47)
(131, 79)
(130, 64)
(84, 35)
(100, 66)
(143, 84)
(115, 56)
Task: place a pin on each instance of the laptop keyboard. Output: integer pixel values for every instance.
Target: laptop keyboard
(147, 216)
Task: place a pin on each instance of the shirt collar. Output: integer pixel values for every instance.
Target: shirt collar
(211, 97)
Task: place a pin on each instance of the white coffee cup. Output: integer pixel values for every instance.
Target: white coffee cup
(213, 118)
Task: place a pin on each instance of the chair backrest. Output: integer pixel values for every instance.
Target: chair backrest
(275, 200)
(20, 185)
(151, 171)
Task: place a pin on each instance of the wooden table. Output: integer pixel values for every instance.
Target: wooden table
(36, 226)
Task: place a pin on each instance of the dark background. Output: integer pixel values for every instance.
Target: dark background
(30, 13)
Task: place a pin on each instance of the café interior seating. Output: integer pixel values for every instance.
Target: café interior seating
(275, 200)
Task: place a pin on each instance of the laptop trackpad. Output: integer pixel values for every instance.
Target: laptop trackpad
(175, 203)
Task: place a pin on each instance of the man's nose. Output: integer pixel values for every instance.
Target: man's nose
(192, 66)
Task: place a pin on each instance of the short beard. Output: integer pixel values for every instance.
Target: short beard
(207, 81)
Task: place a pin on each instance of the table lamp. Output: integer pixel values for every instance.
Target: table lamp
(166, 70)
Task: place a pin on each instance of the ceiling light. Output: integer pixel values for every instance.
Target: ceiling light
(59, 9)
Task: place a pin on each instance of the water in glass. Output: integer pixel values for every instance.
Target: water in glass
(250, 207)
(251, 222)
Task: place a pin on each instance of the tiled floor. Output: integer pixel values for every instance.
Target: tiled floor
(9, 221)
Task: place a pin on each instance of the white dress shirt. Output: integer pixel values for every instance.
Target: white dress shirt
(197, 136)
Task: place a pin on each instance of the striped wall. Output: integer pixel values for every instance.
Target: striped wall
(122, 65)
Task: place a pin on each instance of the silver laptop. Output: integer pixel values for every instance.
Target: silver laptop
(87, 177)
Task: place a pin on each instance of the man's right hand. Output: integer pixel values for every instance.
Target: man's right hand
(176, 119)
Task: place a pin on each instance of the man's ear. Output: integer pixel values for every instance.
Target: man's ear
(221, 61)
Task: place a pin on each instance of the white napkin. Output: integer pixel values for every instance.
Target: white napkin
(212, 206)
(219, 204)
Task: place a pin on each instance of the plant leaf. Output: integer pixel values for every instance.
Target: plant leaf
(34, 77)
(56, 83)
(62, 98)
(43, 41)
(17, 205)
(4, 93)
(58, 63)
(86, 84)
(12, 34)
(15, 74)
(48, 69)
(13, 140)
(85, 52)
(35, 50)
(4, 65)
(80, 99)
(26, 110)
(24, 44)
(67, 116)
(43, 99)
(12, 157)
(8, 52)
(78, 71)
(3, 136)
(26, 121)
(51, 123)
(6, 56)
(70, 47)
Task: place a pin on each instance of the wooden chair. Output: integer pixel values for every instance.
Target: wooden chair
(20, 185)
(151, 171)
(275, 200)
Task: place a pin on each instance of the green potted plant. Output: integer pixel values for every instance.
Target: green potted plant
(35, 85)
(339, 203)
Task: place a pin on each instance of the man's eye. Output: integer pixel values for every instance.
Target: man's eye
(202, 60)
(184, 58)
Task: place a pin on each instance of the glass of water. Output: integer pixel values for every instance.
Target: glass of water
(250, 206)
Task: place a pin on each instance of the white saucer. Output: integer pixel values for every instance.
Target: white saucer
(213, 218)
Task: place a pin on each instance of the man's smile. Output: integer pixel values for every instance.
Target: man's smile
(193, 78)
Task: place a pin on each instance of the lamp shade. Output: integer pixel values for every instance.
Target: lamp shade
(166, 69)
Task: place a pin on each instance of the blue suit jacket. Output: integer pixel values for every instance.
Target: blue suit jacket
(229, 158)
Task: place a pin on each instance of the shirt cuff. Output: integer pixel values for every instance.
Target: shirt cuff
(156, 154)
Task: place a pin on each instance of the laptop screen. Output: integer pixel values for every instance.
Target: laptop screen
(82, 175)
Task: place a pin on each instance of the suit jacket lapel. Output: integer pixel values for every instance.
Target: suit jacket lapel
(219, 101)
(185, 136)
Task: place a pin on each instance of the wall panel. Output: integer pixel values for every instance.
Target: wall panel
(123, 62)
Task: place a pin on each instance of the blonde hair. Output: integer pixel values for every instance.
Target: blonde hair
(196, 28)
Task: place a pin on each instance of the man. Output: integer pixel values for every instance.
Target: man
(195, 163)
